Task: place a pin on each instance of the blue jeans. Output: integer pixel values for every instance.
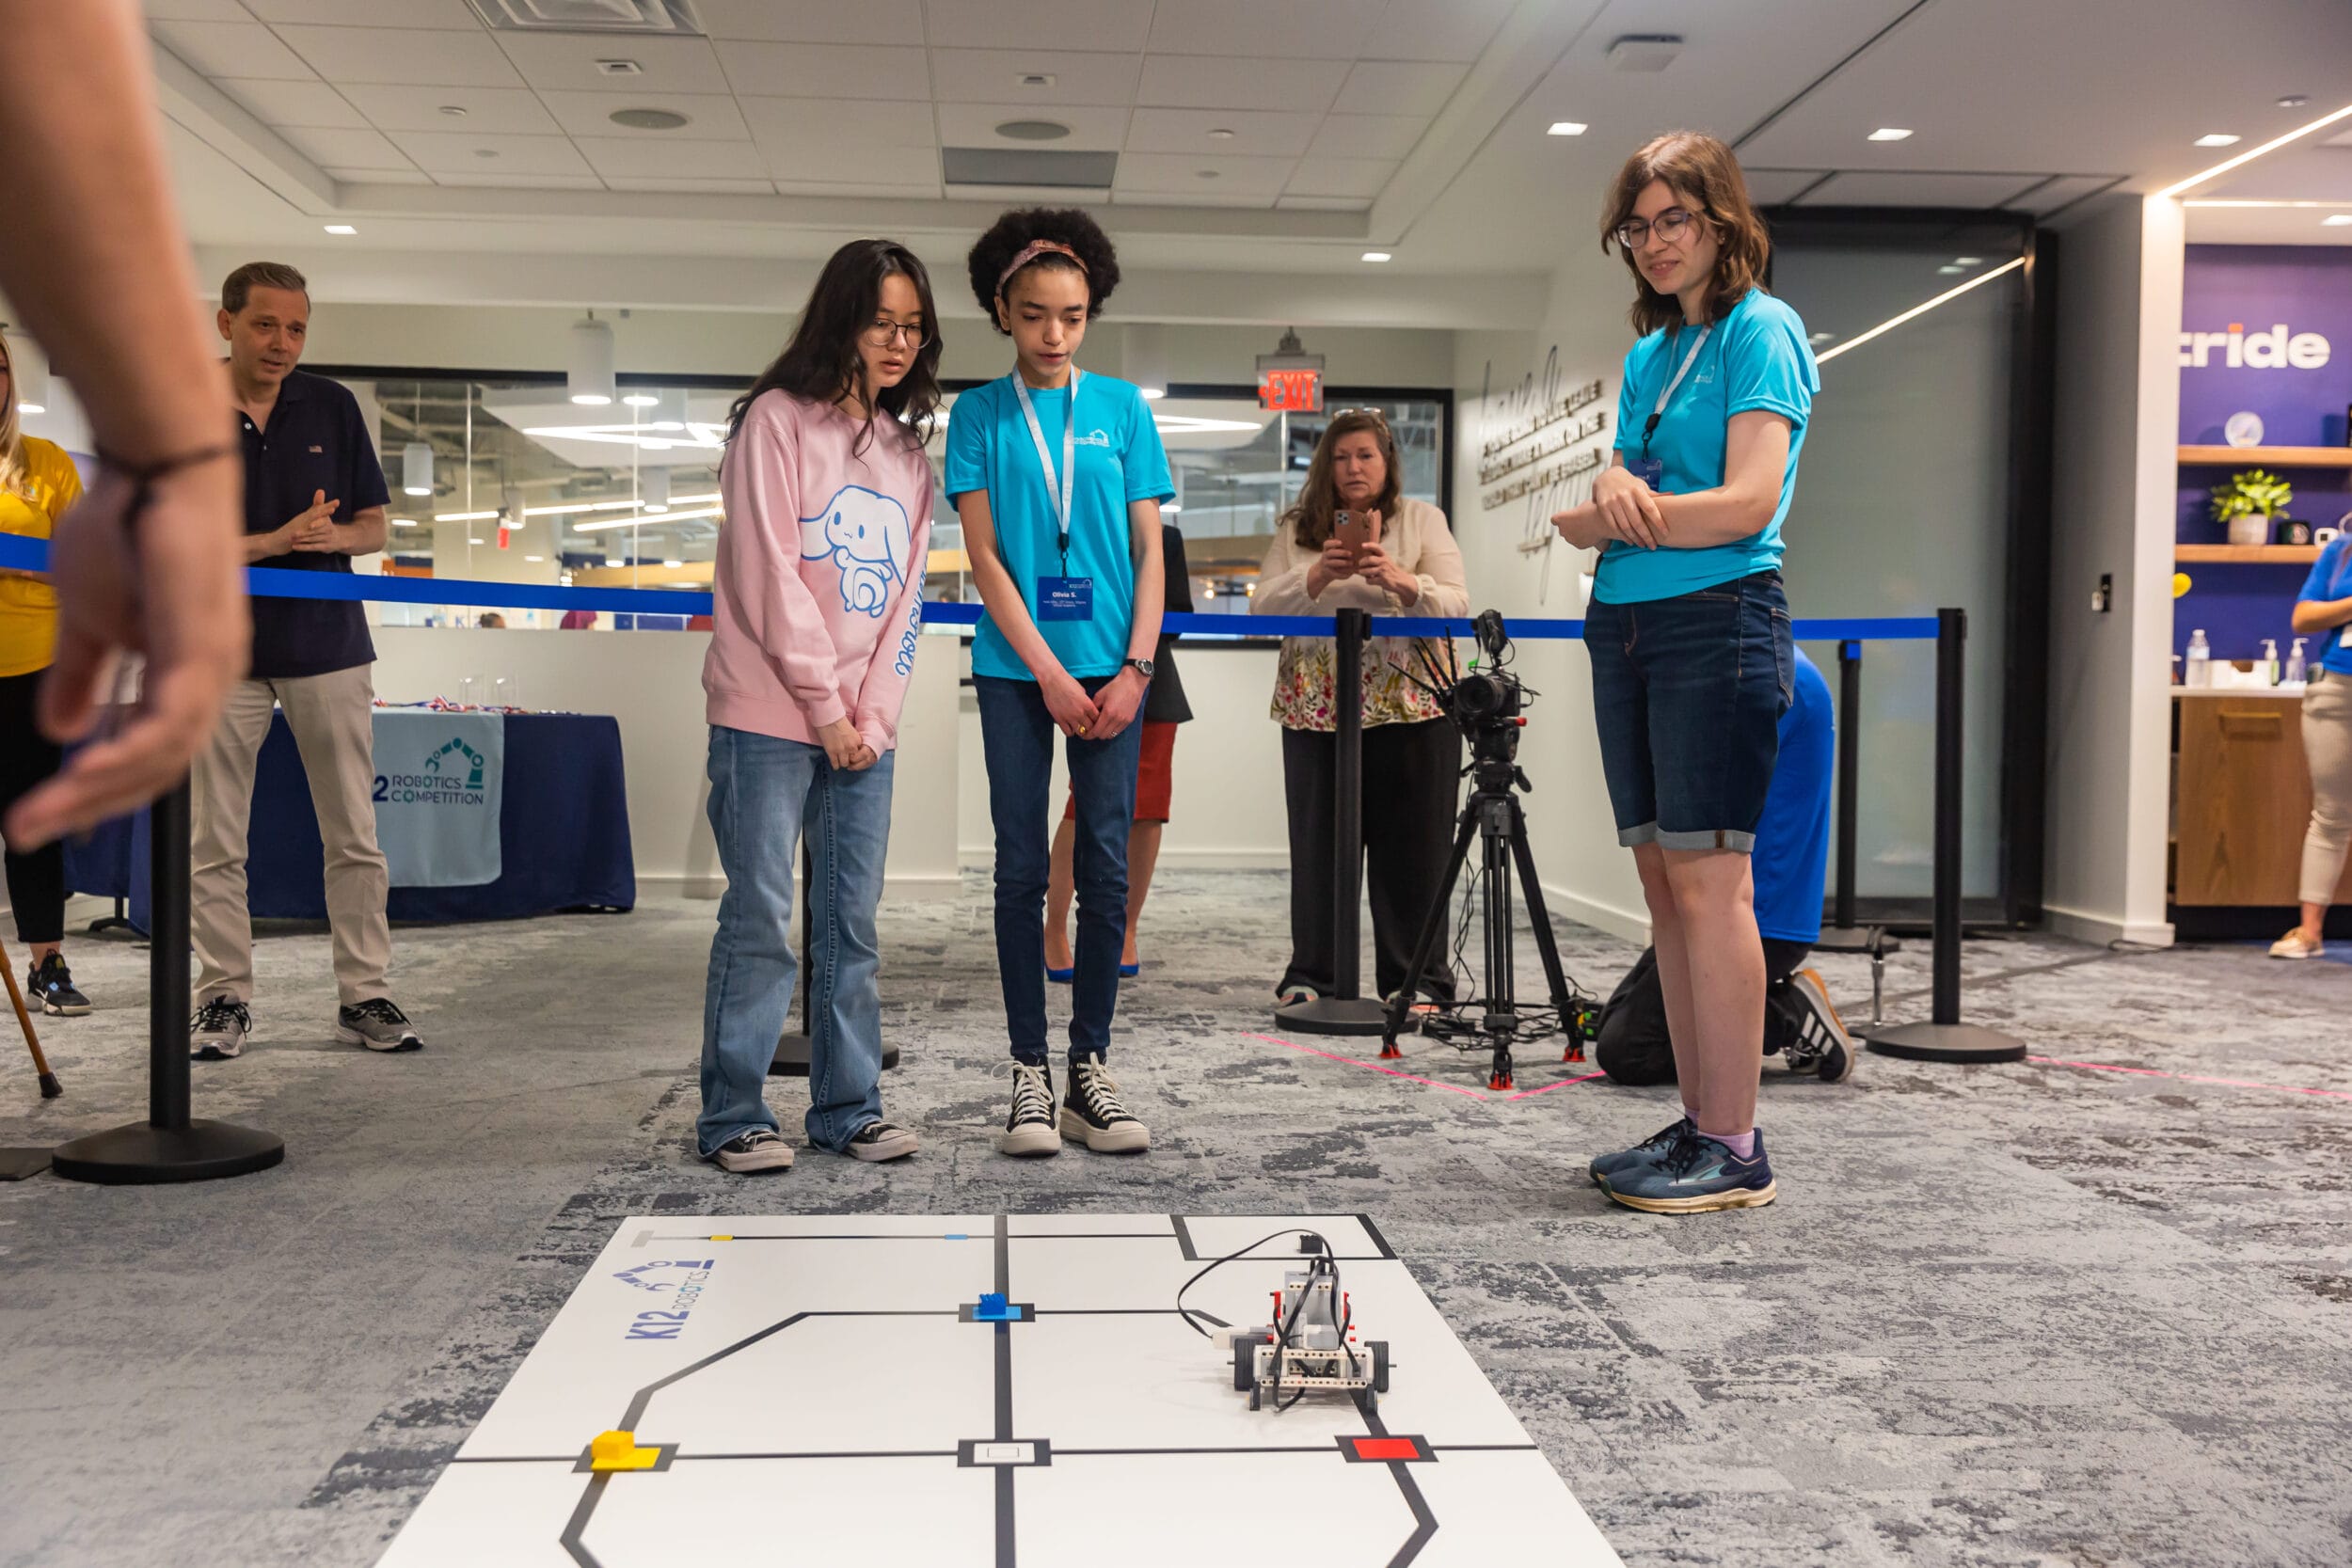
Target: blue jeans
(1688, 694)
(764, 792)
(1017, 736)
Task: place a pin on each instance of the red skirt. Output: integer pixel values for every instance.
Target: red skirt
(1155, 777)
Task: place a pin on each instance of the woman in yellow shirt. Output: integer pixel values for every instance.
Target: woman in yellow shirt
(38, 482)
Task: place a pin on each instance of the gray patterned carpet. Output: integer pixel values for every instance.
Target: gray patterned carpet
(2000, 1316)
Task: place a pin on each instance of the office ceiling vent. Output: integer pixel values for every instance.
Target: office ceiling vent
(1644, 53)
(590, 16)
(1023, 166)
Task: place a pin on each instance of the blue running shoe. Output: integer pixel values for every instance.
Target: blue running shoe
(1696, 1176)
(1650, 1147)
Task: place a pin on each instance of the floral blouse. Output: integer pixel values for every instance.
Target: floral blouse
(1418, 540)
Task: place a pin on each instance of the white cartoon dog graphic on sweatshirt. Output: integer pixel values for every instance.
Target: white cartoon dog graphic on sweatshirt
(866, 536)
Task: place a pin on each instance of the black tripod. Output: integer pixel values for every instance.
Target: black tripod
(1492, 815)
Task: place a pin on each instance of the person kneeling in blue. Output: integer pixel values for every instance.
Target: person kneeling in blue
(1790, 860)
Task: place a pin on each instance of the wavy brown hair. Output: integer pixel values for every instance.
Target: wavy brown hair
(1704, 174)
(1320, 497)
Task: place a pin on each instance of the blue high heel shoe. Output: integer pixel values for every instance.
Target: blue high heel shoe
(1129, 972)
(1060, 977)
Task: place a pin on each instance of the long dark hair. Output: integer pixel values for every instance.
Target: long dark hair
(822, 362)
(1319, 497)
(1706, 174)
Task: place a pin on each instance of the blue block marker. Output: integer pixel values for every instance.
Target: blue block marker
(993, 1310)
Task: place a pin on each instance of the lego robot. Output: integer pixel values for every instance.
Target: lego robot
(1308, 1346)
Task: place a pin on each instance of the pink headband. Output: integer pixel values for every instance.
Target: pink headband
(1030, 252)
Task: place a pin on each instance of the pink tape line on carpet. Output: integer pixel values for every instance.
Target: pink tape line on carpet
(1409, 1078)
(2189, 1077)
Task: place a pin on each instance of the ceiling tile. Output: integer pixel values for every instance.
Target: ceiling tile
(869, 192)
(1346, 135)
(490, 111)
(1399, 87)
(1893, 188)
(1092, 129)
(195, 11)
(1343, 177)
(709, 116)
(2059, 192)
(1323, 203)
(1112, 24)
(666, 183)
(441, 59)
(454, 14)
(1130, 197)
(634, 158)
(440, 152)
(859, 165)
(1231, 82)
(409, 176)
(519, 182)
(342, 149)
(993, 75)
(568, 62)
(1457, 30)
(836, 121)
(889, 72)
(294, 102)
(1295, 29)
(1255, 133)
(245, 50)
(813, 21)
(1769, 187)
(1258, 179)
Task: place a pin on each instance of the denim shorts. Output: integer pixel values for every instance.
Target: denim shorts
(1688, 694)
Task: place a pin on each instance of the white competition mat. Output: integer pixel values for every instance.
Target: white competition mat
(816, 1392)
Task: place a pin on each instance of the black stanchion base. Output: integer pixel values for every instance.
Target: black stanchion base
(1332, 1015)
(792, 1057)
(1944, 1042)
(1856, 939)
(142, 1154)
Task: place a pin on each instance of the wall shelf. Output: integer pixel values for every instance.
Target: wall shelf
(2273, 457)
(2281, 555)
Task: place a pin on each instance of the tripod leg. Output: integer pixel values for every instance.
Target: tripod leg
(1547, 946)
(1500, 1077)
(1432, 927)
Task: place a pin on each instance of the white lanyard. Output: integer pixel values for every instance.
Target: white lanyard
(1060, 494)
(1666, 395)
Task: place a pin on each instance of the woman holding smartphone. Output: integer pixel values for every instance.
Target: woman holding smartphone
(1355, 541)
(1689, 634)
(1058, 475)
(817, 600)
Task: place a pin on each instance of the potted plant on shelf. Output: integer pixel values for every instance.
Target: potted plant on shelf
(2247, 502)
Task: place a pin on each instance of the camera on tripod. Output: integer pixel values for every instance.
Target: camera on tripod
(1486, 705)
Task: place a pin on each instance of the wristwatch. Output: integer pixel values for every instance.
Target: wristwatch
(1142, 666)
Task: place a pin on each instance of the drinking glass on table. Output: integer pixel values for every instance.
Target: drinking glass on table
(510, 692)
(469, 691)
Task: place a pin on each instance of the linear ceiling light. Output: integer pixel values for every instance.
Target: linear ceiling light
(686, 516)
(565, 508)
(1893, 322)
(2251, 153)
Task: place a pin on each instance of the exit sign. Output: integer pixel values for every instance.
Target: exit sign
(1290, 391)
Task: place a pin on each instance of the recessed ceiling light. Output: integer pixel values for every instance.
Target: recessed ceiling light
(535, 559)
(2293, 100)
(2216, 138)
(673, 565)
(1037, 78)
(1205, 174)
(641, 400)
(1376, 256)
(619, 68)
(1220, 133)
(1951, 269)
(1568, 128)
(1889, 132)
(472, 541)
(1821, 337)
(1967, 260)
(647, 119)
(1033, 130)
(2337, 220)
(340, 229)
(454, 111)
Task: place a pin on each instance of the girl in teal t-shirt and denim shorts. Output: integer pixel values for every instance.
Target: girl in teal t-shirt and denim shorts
(1689, 636)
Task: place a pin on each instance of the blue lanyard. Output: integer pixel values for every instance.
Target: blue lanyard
(1060, 493)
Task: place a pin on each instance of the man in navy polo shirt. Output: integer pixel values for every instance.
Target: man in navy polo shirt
(314, 498)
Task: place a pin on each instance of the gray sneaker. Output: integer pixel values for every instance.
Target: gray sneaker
(881, 1140)
(756, 1150)
(377, 1024)
(219, 1029)
(1648, 1148)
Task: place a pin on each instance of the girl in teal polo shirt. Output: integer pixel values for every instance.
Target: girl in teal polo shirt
(1689, 635)
(1058, 475)
(2324, 609)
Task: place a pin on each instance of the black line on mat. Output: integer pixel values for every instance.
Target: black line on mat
(578, 1525)
(1005, 1545)
(1425, 1522)
(1377, 1240)
(1184, 1238)
(1097, 1453)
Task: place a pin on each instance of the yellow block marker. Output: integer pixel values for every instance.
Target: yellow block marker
(618, 1450)
(722, 1237)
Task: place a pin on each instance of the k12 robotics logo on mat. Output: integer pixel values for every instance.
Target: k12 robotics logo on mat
(681, 1280)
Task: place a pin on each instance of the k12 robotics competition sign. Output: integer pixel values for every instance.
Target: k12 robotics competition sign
(441, 781)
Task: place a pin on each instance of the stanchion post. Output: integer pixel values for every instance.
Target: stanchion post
(1944, 1037)
(171, 1145)
(1347, 1012)
(1843, 935)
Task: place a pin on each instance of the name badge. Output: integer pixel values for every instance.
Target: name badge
(1650, 470)
(1065, 598)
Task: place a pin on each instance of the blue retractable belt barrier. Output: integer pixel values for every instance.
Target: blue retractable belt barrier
(22, 554)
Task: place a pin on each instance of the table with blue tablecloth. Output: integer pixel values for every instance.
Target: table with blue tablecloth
(562, 841)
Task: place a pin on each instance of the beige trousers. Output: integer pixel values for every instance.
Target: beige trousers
(333, 720)
(2327, 750)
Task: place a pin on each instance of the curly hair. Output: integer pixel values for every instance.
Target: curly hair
(1704, 174)
(1014, 232)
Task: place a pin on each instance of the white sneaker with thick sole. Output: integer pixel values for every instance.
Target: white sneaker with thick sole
(2295, 944)
(1094, 1115)
(1028, 1130)
(756, 1150)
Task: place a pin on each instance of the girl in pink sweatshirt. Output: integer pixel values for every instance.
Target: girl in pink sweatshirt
(818, 600)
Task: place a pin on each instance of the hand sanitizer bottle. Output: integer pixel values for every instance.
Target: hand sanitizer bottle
(2297, 670)
(2197, 670)
(2268, 673)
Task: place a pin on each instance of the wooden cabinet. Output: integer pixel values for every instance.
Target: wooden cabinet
(2241, 800)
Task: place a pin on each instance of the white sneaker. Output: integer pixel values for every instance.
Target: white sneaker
(219, 1030)
(757, 1149)
(1030, 1125)
(2295, 944)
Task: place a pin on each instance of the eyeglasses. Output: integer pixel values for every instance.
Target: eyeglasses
(884, 333)
(1670, 226)
(1374, 415)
